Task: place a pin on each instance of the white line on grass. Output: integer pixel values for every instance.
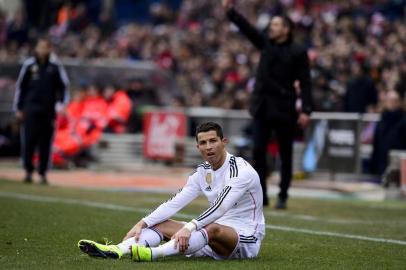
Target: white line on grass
(109, 206)
(332, 220)
(306, 217)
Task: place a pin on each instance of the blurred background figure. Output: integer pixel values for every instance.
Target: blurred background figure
(390, 132)
(118, 109)
(42, 83)
(273, 100)
(360, 95)
(356, 52)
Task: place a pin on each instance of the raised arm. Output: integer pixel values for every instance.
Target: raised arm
(253, 34)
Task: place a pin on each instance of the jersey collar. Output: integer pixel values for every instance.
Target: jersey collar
(225, 164)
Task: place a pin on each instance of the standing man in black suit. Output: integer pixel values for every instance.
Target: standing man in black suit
(42, 86)
(274, 97)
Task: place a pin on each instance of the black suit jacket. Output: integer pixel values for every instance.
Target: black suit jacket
(280, 65)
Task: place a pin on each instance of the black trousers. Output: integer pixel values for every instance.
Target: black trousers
(285, 135)
(36, 134)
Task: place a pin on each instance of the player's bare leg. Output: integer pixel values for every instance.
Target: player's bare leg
(169, 228)
(222, 239)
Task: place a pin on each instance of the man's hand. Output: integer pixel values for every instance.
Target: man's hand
(136, 231)
(303, 120)
(182, 239)
(60, 108)
(227, 4)
(19, 116)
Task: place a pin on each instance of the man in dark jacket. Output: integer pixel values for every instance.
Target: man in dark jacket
(274, 97)
(41, 84)
(390, 132)
(360, 95)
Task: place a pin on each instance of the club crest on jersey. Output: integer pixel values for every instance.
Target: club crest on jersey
(34, 69)
(209, 178)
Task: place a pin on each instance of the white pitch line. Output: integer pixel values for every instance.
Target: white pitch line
(333, 234)
(117, 207)
(307, 217)
(332, 220)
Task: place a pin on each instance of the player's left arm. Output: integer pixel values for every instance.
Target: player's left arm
(303, 75)
(62, 84)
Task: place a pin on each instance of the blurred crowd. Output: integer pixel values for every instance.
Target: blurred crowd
(357, 48)
(92, 111)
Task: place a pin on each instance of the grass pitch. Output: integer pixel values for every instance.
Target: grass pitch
(40, 227)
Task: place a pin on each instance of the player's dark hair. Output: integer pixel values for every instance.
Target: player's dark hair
(43, 38)
(208, 126)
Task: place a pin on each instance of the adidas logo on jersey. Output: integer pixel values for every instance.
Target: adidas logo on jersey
(208, 188)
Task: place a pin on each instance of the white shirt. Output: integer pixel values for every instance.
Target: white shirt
(234, 193)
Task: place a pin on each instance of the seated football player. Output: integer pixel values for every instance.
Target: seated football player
(232, 227)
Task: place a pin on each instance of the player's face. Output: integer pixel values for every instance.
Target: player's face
(212, 148)
(277, 29)
(42, 49)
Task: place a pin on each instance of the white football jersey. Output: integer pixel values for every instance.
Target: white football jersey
(234, 193)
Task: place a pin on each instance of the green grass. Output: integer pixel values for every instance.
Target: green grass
(43, 235)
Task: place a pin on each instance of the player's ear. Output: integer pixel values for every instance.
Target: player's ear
(224, 141)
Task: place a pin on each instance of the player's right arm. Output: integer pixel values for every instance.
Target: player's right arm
(21, 89)
(166, 210)
(253, 35)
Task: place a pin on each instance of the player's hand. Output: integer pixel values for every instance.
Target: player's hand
(19, 116)
(136, 231)
(227, 4)
(303, 120)
(182, 239)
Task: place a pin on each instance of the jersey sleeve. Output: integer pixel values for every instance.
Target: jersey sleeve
(63, 82)
(232, 192)
(21, 87)
(166, 210)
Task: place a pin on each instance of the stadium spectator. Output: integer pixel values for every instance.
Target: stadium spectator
(3, 28)
(9, 139)
(274, 97)
(17, 31)
(79, 19)
(196, 46)
(86, 117)
(42, 83)
(118, 109)
(106, 24)
(401, 83)
(232, 227)
(337, 34)
(141, 96)
(68, 142)
(360, 95)
(390, 132)
(95, 107)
